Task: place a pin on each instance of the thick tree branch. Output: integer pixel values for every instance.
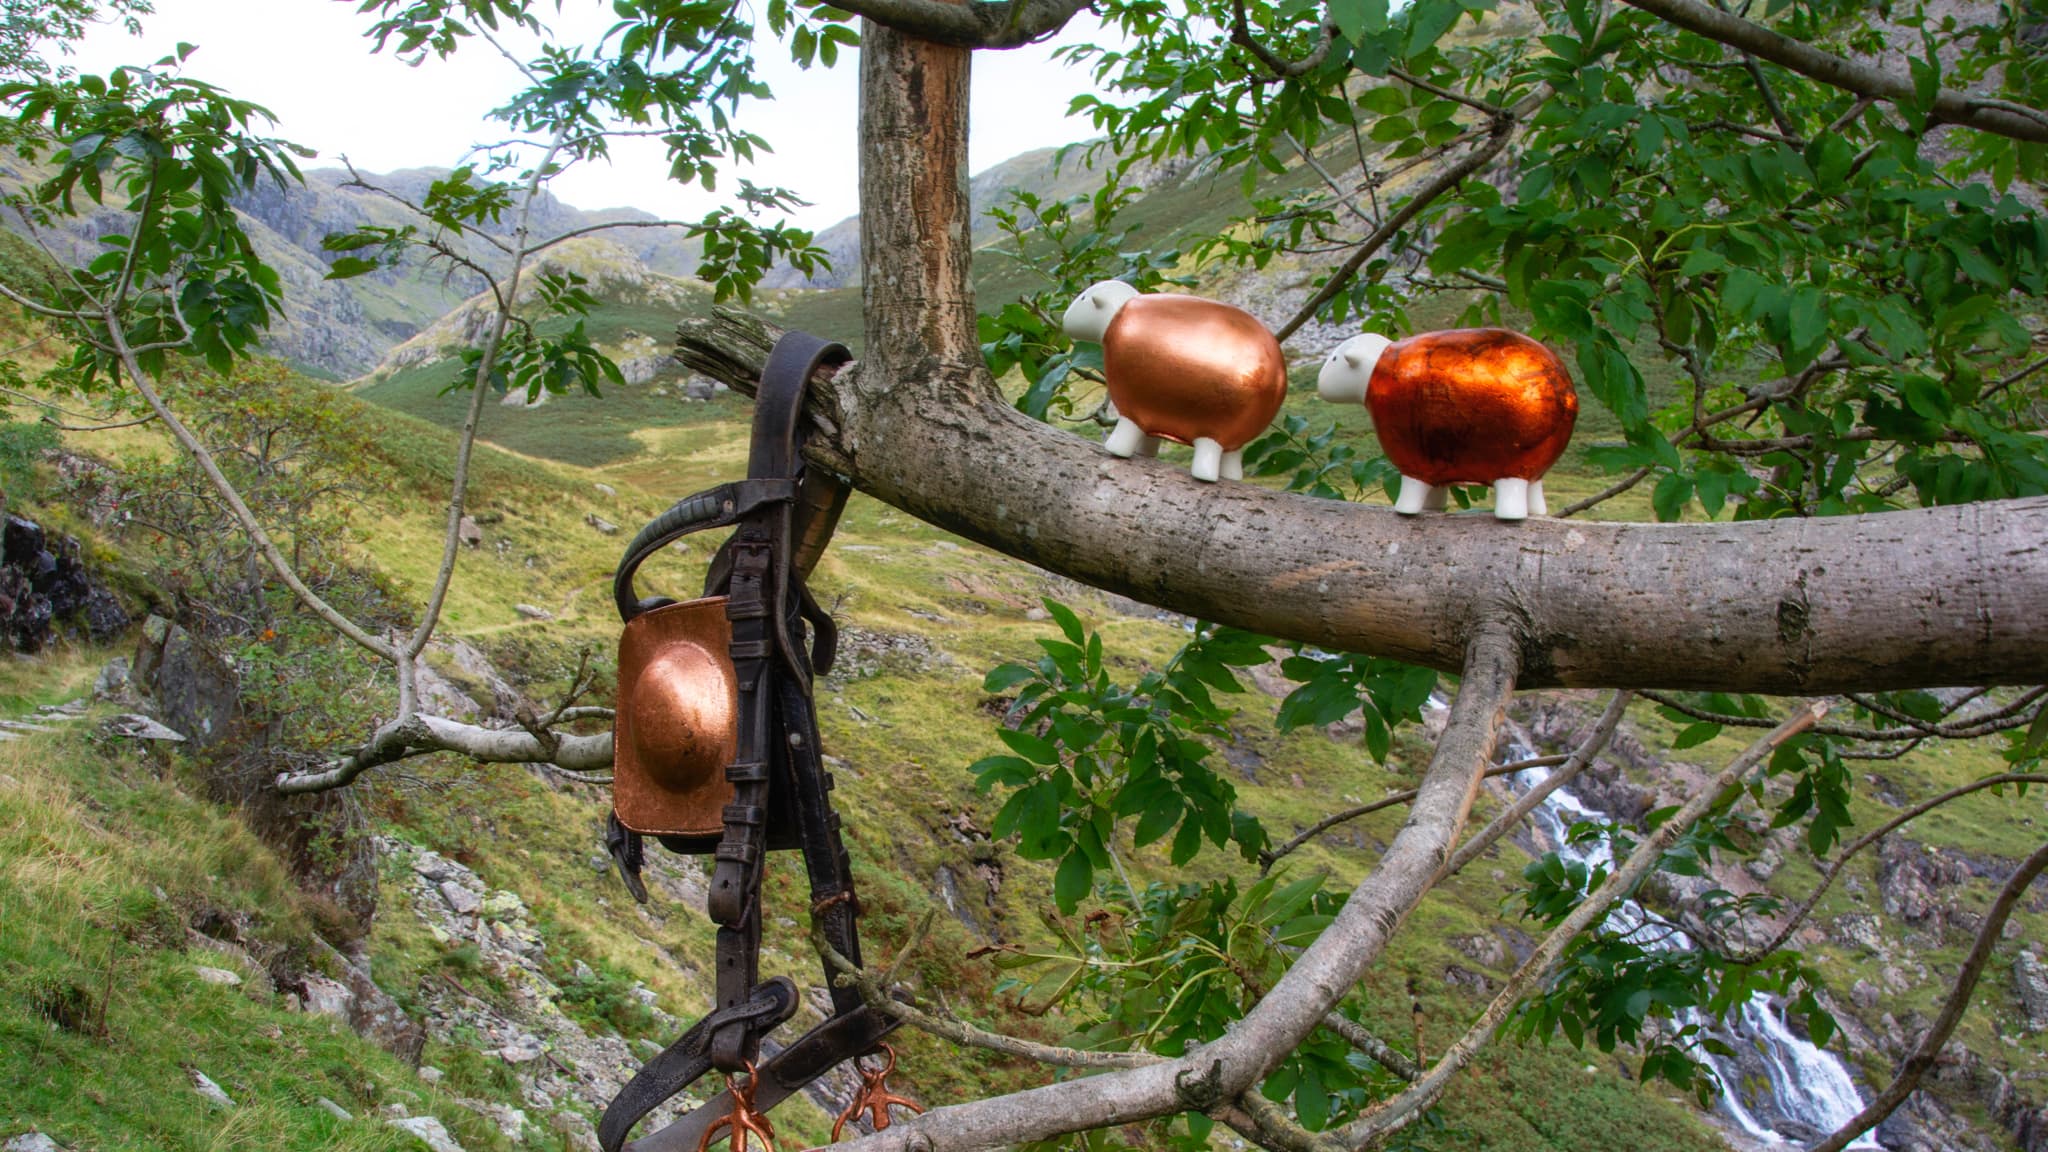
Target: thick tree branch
(419, 734)
(1785, 607)
(1865, 80)
(1930, 1046)
(976, 24)
(1395, 1112)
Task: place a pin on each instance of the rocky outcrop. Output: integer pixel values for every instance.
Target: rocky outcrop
(44, 583)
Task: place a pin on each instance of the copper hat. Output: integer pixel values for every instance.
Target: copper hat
(677, 723)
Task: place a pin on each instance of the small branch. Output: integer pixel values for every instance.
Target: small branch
(1497, 139)
(1518, 811)
(1866, 80)
(1395, 1112)
(1931, 1043)
(875, 994)
(1271, 856)
(1279, 66)
(2011, 716)
(1827, 877)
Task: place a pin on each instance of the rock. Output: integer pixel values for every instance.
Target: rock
(196, 692)
(511, 1121)
(1859, 930)
(1482, 948)
(204, 1085)
(601, 524)
(429, 1131)
(533, 612)
(431, 1074)
(502, 905)
(1467, 979)
(698, 388)
(112, 684)
(578, 1131)
(31, 1142)
(606, 489)
(2030, 980)
(433, 867)
(469, 532)
(324, 997)
(1865, 995)
(460, 899)
(374, 1015)
(333, 1109)
(1765, 865)
(136, 726)
(219, 976)
(524, 1050)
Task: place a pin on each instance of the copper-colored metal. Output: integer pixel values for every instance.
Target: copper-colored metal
(743, 1118)
(1181, 367)
(1471, 406)
(874, 1096)
(677, 725)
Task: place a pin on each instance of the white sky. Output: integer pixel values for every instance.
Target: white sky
(306, 60)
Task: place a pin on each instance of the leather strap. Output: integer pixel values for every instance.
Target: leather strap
(781, 1076)
(689, 1058)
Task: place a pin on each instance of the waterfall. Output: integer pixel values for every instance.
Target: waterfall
(1804, 1092)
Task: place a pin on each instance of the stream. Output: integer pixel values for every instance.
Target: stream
(1779, 1089)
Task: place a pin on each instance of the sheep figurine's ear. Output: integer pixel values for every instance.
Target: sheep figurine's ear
(1348, 371)
(1088, 317)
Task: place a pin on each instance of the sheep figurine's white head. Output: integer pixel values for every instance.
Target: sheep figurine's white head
(1348, 370)
(1088, 317)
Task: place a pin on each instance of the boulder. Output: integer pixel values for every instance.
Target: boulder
(603, 526)
(429, 1131)
(533, 612)
(31, 1142)
(219, 976)
(196, 691)
(2030, 981)
(468, 532)
(325, 997)
(204, 1085)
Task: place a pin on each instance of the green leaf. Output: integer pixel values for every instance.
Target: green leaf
(1006, 676)
(1068, 622)
(1671, 495)
(1036, 749)
(1071, 884)
(1695, 735)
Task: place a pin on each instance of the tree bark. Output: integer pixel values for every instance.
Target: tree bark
(1922, 598)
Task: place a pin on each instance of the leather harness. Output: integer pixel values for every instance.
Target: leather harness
(777, 788)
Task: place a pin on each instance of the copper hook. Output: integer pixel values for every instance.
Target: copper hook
(874, 1096)
(743, 1118)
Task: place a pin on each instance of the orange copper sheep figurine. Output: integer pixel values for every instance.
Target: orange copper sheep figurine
(1467, 406)
(1182, 368)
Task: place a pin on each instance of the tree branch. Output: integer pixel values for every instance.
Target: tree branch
(1866, 80)
(1271, 856)
(1827, 877)
(1230, 1066)
(418, 735)
(977, 24)
(1395, 1112)
(1497, 138)
(1798, 606)
(1520, 809)
(1931, 1043)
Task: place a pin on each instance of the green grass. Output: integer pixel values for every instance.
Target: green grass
(104, 862)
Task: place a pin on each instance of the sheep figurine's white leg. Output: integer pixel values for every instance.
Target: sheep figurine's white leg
(1418, 496)
(1126, 439)
(1208, 463)
(1537, 507)
(1233, 465)
(1510, 499)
